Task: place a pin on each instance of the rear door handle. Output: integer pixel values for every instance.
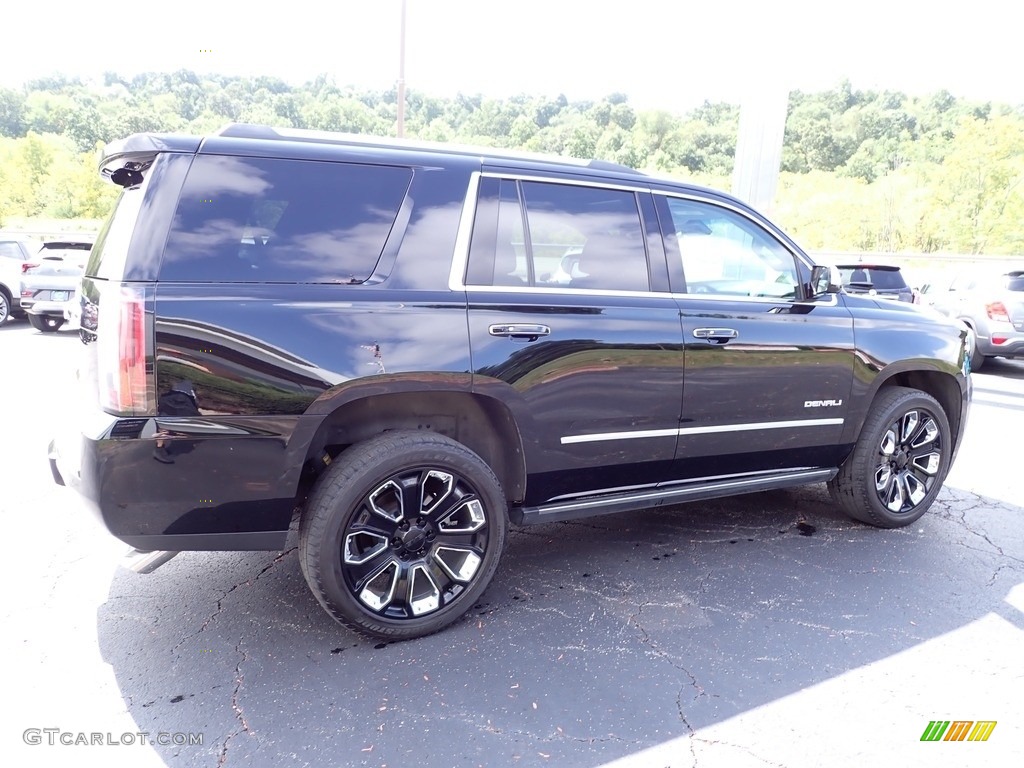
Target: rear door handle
(718, 335)
(519, 330)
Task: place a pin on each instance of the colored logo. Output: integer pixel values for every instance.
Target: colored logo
(958, 730)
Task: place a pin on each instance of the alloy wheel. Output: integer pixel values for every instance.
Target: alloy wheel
(415, 543)
(908, 461)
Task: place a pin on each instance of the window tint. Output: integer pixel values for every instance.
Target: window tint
(585, 237)
(882, 279)
(549, 235)
(110, 254)
(723, 252)
(269, 220)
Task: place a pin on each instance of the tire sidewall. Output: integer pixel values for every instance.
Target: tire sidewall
(358, 482)
(868, 458)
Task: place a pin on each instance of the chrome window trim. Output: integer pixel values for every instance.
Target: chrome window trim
(682, 431)
(556, 291)
(463, 241)
(515, 176)
(464, 235)
(832, 301)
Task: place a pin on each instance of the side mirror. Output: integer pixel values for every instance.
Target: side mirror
(825, 280)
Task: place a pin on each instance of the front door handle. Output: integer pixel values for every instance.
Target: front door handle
(717, 335)
(519, 330)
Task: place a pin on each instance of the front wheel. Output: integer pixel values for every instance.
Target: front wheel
(899, 462)
(402, 534)
(45, 323)
(5, 306)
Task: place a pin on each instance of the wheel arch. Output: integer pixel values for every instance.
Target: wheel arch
(483, 424)
(942, 386)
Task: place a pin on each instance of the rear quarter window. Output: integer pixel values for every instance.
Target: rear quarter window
(270, 220)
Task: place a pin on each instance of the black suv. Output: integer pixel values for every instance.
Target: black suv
(882, 280)
(403, 347)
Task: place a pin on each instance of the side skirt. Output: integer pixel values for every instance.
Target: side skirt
(697, 490)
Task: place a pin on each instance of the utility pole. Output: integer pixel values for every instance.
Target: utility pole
(759, 145)
(401, 77)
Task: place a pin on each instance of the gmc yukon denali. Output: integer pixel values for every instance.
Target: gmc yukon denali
(403, 348)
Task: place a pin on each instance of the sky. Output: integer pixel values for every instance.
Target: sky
(664, 54)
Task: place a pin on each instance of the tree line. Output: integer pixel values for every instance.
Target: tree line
(861, 170)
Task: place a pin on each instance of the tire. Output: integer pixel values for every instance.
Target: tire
(45, 323)
(899, 462)
(977, 359)
(5, 306)
(402, 534)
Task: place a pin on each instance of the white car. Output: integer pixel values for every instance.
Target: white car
(49, 288)
(16, 253)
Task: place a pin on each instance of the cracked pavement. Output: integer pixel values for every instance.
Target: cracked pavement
(763, 630)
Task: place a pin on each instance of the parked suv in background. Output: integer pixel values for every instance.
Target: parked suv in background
(407, 346)
(992, 305)
(883, 281)
(49, 287)
(16, 251)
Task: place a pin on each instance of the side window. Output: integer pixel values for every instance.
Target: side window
(11, 250)
(723, 252)
(585, 237)
(242, 219)
(558, 235)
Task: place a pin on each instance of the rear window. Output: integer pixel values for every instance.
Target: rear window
(262, 220)
(1015, 281)
(880, 279)
(65, 268)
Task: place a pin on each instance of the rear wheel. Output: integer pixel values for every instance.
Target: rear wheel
(45, 323)
(403, 534)
(900, 460)
(5, 306)
(977, 359)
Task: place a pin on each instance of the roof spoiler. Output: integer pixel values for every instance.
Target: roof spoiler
(124, 160)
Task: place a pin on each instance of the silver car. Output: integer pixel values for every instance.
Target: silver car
(992, 305)
(16, 253)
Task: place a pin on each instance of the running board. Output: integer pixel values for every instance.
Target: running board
(657, 497)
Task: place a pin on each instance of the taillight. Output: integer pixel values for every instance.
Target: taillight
(998, 338)
(996, 310)
(26, 266)
(123, 351)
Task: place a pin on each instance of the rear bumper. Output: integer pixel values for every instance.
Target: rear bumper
(162, 491)
(1012, 347)
(55, 308)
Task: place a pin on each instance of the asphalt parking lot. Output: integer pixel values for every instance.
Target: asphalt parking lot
(765, 630)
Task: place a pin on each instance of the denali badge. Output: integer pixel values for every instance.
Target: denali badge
(821, 403)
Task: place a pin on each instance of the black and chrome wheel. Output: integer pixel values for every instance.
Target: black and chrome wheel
(402, 534)
(898, 465)
(5, 306)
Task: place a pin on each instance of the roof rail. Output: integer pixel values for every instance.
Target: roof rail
(270, 133)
